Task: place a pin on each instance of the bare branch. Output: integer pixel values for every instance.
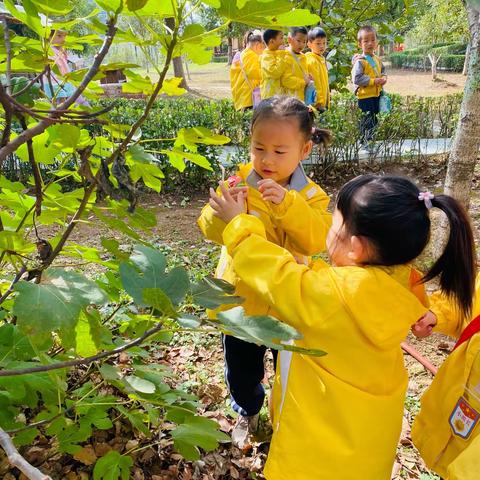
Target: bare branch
(18, 461)
(8, 116)
(83, 361)
(18, 276)
(30, 83)
(8, 47)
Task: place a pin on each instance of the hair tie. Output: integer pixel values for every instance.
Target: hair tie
(426, 197)
(313, 130)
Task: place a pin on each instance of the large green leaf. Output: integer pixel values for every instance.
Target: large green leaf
(274, 13)
(261, 330)
(14, 345)
(29, 16)
(197, 432)
(55, 7)
(56, 302)
(212, 293)
(146, 270)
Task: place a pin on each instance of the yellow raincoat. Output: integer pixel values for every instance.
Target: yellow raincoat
(272, 63)
(317, 68)
(447, 429)
(300, 224)
(293, 78)
(336, 417)
(244, 77)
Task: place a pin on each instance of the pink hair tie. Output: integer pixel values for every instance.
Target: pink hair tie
(426, 197)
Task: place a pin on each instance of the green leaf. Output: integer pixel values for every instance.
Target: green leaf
(14, 242)
(14, 345)
(171, 87)
(209, 294)
(26, 437)
(109, 5)
(156, 298)
(29, 16)
(55, 7)
(56, 301)
(186, 320)
(140, 384)
(85, 344)
(197, 432)
(134, 5)
(136, 418)
(148, 271)
(113, 466)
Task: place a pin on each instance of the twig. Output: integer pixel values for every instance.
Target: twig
(8, 116)
(8, 47)
(83, 361)
(18, 461)
(46, 122)
(18, 276)
(30, 83)
(37, 177)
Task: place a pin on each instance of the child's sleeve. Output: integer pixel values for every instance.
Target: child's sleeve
(289, 80)
(306, 222)
(252, 69)
(274, 274)
(210, 225)
(450, 321)
(314, 71)
(359, 77)
(272, 66)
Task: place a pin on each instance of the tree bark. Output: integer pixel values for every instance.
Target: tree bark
(177, 61)
(466, 143)
(467, 58)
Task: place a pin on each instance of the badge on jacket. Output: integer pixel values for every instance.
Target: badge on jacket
(463, 418)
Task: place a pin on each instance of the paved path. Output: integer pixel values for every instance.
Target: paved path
(379, 150)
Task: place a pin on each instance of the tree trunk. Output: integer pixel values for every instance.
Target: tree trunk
(466, 143)
(177, 61)
(467, 58)
(230, 44)
(434, 62)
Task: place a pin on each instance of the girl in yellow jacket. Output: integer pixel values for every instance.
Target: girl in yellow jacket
(245, 73)
(293, 211)
(340, 416)
(447, 429)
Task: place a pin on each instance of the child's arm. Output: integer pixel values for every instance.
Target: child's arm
(273, 66)
(306, 222)
(313, 71)
(210, 225)
(359, 77)
(289, 80)
(252, 69)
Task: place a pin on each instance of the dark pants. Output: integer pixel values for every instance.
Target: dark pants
(244, 372)
(370, 108)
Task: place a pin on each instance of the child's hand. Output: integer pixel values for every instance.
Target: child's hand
(380, 81)
(424, 326)
(226, 207)
(271, 191)
(234, 191)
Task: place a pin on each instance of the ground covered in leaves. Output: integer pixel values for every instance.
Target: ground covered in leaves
(197, 364)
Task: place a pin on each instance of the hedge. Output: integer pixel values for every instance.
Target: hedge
(451, 63)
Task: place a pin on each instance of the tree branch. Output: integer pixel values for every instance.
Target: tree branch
(46, 122)
(18, 461)
(8, 47)
(83, 361)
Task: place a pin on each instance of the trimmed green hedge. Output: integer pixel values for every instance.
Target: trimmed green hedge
(220, 59)
(451, 63)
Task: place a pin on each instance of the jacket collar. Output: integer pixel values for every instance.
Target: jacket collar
(298, 180)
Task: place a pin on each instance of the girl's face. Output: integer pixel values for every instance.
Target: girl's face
(277, 147)
(338, 244)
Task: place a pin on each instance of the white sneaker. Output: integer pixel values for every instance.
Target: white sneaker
(243, 430)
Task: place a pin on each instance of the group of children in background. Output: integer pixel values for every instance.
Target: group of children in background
(340, 416)
(266, 68)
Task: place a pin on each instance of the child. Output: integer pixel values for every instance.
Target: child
(447, 429)
(272, 64)
(368, 77)
(293, 211)
(295, 76)
(245, 72)
(340, 416)
(317, 66)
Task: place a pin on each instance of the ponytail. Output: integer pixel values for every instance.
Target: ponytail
(456, 265)
(321, 137)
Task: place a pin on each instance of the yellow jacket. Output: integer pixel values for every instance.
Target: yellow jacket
(317, 68)
(300, 224)
(364, 75)
(437, 430)
(293, 78)
(244, 77)
(272, 63)
(338, 416)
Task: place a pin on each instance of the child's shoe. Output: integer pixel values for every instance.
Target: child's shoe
(243, 430)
